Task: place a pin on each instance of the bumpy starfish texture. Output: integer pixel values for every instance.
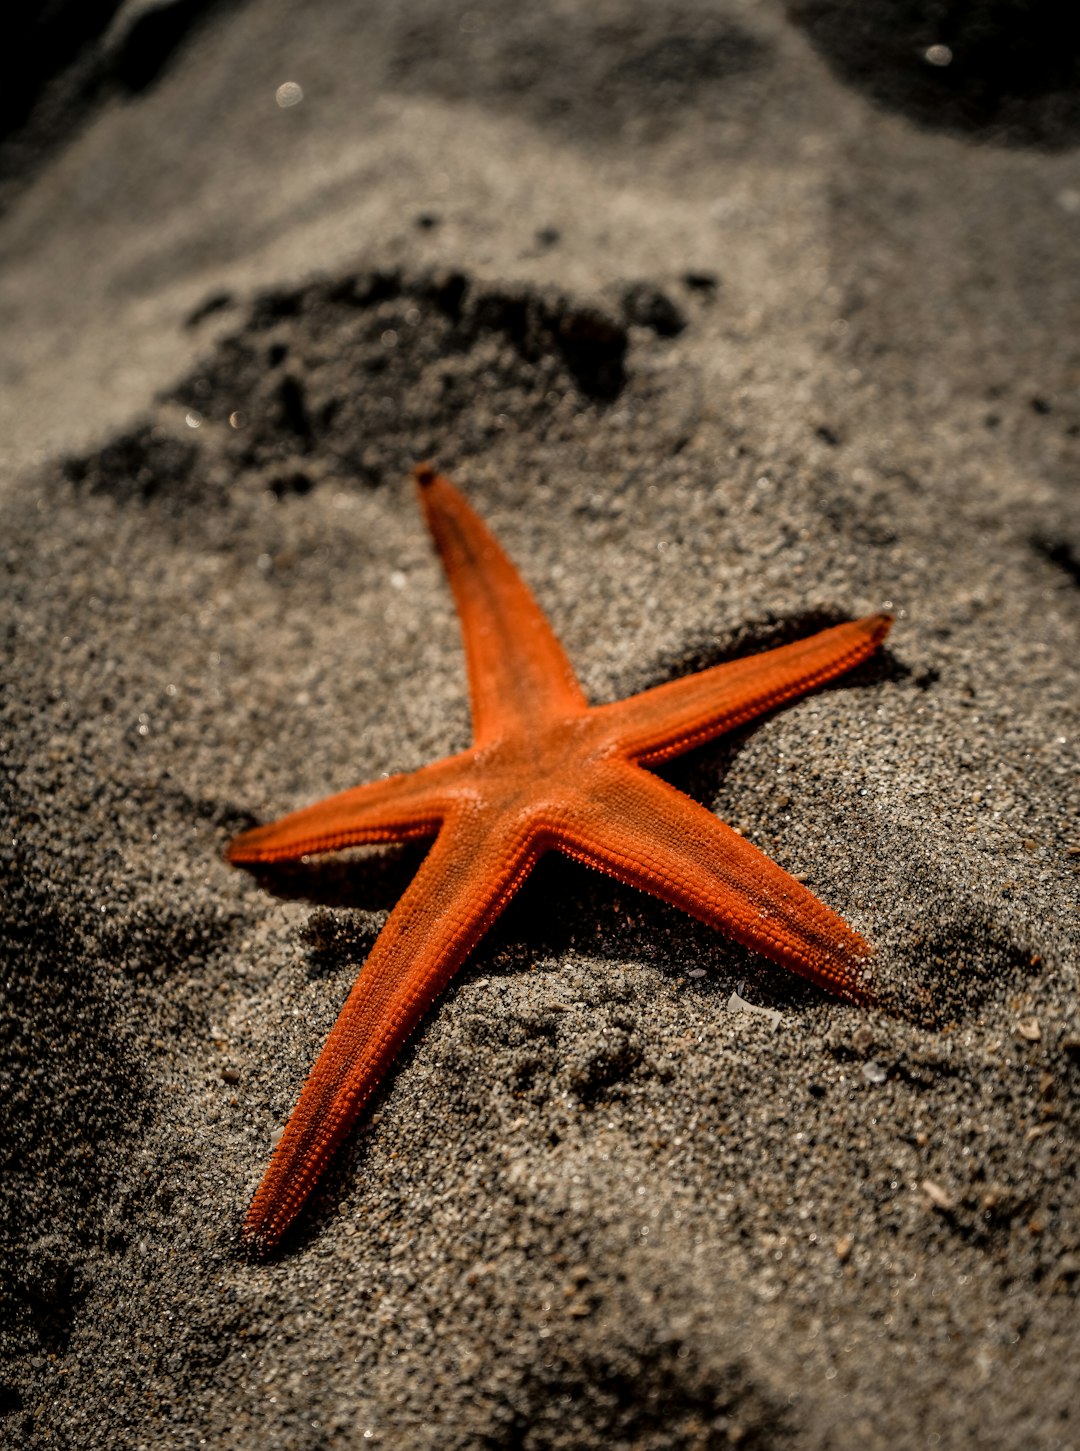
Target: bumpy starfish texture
(545, 771)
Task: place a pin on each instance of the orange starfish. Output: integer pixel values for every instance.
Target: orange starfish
(545, 770)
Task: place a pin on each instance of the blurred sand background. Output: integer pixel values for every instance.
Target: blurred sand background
(733, 319)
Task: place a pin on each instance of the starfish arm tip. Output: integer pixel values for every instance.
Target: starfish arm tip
(269, 1218)
(252, 848)
(856, 990)
(239, 852)
(257, 1241)
(425, 474)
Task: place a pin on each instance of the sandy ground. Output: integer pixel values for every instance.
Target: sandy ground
(726, 345)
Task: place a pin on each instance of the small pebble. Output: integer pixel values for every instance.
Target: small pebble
(937, 1197)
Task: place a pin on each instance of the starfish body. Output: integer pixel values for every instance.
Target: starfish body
(545, 771)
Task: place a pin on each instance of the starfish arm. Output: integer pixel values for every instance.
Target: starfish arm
(674, 717)
(396, 808)
(519, 675)
(471, 871)
(644, 832)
